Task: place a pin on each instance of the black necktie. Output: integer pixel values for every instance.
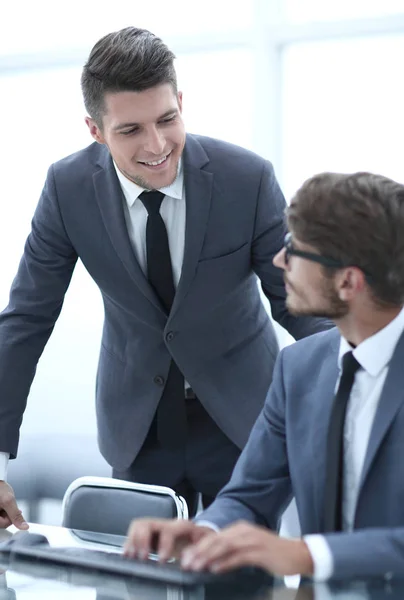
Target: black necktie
(335, 446)
(171, 413)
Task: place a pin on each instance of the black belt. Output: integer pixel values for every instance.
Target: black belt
(190, 394)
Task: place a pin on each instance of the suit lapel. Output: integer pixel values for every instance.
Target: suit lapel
(110, 201)
(323, 392)
(198, 192)
(391, 400)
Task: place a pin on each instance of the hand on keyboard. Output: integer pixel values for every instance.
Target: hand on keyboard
(166, 537)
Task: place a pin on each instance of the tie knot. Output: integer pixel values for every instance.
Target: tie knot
(349, 364)
(152, 201)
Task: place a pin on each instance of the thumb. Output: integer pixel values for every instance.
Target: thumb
(16, 517)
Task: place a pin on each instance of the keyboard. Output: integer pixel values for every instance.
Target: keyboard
(108, 562)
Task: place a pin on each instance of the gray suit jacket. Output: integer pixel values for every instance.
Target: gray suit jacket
(220, 334)
(286, 455)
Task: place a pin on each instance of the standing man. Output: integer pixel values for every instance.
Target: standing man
(174, 229)
(331, 431)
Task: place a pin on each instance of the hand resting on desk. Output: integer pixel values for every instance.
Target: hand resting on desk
(10, 514)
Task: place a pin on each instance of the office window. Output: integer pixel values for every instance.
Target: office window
(342, 104)
(218, 94)
(48, 25)
(318, 10)
(42, 121)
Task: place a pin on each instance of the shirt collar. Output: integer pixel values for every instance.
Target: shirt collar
(375, 353)
(132, 191)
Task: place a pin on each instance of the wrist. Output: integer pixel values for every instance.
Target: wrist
(303, 559)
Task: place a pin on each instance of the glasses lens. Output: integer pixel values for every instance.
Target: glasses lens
(288, 247)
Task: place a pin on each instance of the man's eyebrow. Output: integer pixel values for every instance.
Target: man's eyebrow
(168, 113)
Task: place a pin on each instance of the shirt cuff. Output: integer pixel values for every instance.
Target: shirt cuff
(4, 456)
(321, 555)
(207, 524)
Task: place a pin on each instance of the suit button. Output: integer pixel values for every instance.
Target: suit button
(170, 336)
(159, 380)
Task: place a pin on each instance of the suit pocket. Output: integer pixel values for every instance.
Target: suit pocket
(220, 277)
(226, 255)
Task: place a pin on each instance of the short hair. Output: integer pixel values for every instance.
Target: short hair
(356, 219)
(127, 60)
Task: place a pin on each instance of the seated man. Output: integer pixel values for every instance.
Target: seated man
(331, 431)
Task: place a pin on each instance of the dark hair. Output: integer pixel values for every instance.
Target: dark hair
(127, 60)
(356, 219)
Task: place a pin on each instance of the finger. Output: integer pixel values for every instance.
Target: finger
(173, 538)
(131, 545)
(21, 523)
(208, 549)
(145, 538)
(9, 506)
(141, 534)
(14, 514)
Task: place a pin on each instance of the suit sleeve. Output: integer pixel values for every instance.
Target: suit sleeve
(260, 487)
(367, 553)
(35, 302)
(269, 233)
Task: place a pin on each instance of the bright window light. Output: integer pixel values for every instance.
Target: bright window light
(342, 108)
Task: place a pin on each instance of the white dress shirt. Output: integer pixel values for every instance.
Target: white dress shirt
(173, 212)
(373, 355)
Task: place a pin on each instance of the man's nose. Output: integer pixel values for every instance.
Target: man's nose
(155, 142)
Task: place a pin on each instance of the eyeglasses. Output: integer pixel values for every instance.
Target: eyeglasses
(322, 260)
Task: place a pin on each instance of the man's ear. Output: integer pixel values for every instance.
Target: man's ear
(179, 99)
(350, 282)
(95, 131)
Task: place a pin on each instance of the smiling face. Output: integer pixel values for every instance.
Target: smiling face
(144, 133)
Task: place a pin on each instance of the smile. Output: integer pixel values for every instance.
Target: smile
(155, 163)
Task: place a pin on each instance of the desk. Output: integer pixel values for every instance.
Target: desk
(29, 581)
